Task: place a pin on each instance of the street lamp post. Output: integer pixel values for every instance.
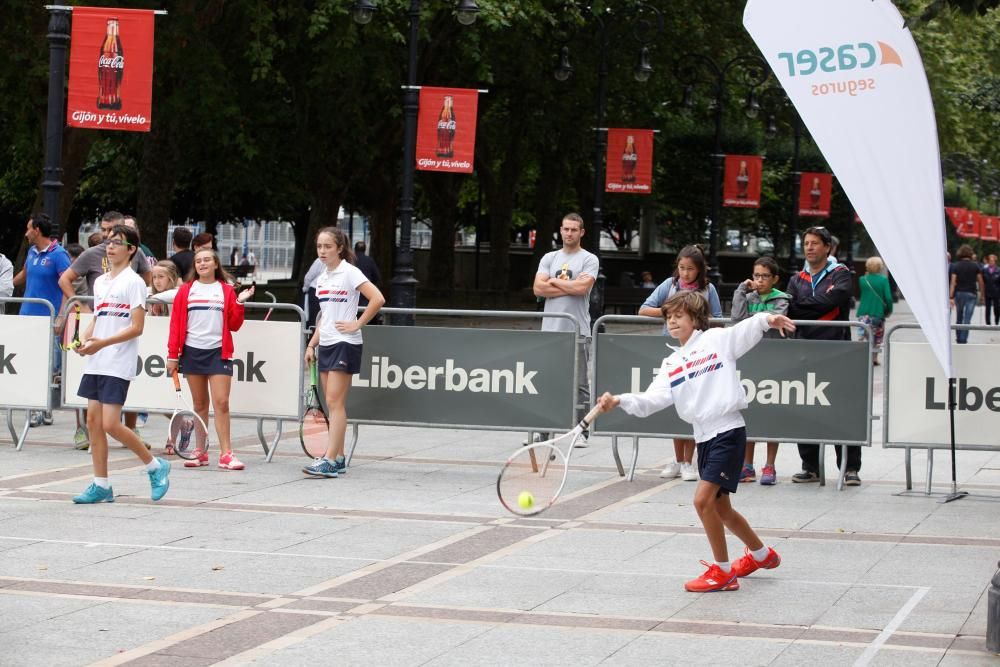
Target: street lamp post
(770, 99)
(404, 284)
(58, 35)
(752, 71)
(646, 23)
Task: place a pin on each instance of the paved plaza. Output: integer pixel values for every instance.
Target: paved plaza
(410, 560)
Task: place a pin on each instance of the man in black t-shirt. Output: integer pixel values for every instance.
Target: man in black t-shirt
(182, 258)
(966, 287)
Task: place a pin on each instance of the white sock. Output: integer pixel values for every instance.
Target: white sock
(760, 554)
(340, 458)
(153, 465)
(724, 566)
(102, 482)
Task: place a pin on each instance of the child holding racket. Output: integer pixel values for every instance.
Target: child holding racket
(336, 341)
(112, 347)
(700, 380)
(206, 311)
(163, 287)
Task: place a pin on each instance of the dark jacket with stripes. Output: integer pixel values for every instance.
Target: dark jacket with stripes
(829, 301)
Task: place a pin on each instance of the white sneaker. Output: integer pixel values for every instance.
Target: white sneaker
(671, 470)
(688, 473)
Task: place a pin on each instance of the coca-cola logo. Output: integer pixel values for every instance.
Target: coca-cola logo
(446, 125)
(631, 157)
(112, 62)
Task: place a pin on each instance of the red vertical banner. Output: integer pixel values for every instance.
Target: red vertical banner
(446, 129)
(111, 69)
(989, 228)
(956, 215)
(629, 161)
(741, 185)
(814, 194)
(970, 225)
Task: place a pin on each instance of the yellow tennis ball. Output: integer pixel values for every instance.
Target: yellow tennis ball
(525, 499)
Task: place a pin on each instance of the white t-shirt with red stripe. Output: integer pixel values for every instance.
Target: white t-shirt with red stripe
(204, 315)
(114, 300)
(337, 292)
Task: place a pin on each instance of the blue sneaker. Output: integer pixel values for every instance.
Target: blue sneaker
(341, 464)
(159, 480)
(322, 467)
(95, 494)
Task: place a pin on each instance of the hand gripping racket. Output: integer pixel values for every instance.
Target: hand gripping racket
(187, 431)
(71, 331)
(533, 477)
(314, 427)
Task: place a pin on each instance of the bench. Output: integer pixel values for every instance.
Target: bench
(240, 270)
(624, 300)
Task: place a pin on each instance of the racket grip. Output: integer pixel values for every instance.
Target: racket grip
(591, 416)
(177, 380)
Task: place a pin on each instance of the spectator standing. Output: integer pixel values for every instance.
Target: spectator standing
(130, 221)
(875, 305)
(565, 278)
(6, 280)
(966, 279)
(822, 291)
(367, 266)
(40, 275)
(183, 257)
(647, 280)
(203, 240)
(991, 281)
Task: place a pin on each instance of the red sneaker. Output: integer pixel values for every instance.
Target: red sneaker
(229, 461)
(200, 459)
(746, 564)
(714, 579)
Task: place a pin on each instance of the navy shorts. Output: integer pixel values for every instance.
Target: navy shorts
(103, 388)
(195, 361)
(345, 357)
(720, 459)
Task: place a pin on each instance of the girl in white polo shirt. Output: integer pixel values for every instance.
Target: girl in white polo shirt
(205, 313)
(336, 341)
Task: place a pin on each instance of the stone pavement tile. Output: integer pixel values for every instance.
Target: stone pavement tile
(25, 611)
(961, 659)
(369, 640)
(922, 619)
(803, 652)
(625, 604)
(478, 545)
(770, 602)
(528, 645)
(976, 623)
(47, 559)
(500, 589)
(158, 660)
(871, 608)
(385, 582)
(89, 524)
(377, 540)
(591, 545)
(656, 648)
(240, 636)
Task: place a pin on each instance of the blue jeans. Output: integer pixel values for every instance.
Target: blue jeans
(965, 306)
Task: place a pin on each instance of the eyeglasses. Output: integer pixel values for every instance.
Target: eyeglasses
(118, 243)
(762, 276)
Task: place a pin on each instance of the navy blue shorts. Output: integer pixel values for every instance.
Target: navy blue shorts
(103, 388)
(345, 357)
(195, 361)
(720, 459)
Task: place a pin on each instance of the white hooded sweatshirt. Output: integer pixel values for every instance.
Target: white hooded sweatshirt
(700, 379)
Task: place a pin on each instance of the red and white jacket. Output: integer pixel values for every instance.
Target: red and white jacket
(232, 320)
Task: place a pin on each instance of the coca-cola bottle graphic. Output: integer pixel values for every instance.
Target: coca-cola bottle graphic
(814, 195)
(110, 69)
(446, 129)
(742, 181)
(629, 160)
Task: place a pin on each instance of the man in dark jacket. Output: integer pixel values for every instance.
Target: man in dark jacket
(822, 292)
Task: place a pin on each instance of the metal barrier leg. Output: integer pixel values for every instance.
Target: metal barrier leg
(906, 466)
(355, 431)
(270, 447)
(821, 464)
(843, 466)
(635, 458)
(930, 471)
(618, 458)
(15, 436)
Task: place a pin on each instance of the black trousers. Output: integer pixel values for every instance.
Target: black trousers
(810, 457)
(993, 306)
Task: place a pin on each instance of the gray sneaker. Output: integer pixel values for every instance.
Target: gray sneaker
(805, 477)
(35, 419)
(851, 478)
(81, 440)
(47, 417)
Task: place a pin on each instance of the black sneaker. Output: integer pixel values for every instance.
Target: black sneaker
(805, 477)
(851, 478)
(47, 417)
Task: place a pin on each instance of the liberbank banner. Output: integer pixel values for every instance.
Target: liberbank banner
(798, 390)
(505, 380)
(854, 74)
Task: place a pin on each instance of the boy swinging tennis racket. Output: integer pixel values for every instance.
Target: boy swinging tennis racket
(700, 380)
(111, 344)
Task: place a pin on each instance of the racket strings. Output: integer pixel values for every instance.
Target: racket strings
(532, 479)
(188, 433)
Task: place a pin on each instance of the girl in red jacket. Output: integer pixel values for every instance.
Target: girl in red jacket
(205, 313)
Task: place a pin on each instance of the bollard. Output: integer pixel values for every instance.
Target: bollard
(993, 615)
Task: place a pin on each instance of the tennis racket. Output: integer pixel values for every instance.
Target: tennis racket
(187, 431)
(71, 331)
(533, 477)
(314, 427)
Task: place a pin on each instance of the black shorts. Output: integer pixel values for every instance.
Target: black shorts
(103, 389)
(345, 357)
(195, 361)
(720, 459)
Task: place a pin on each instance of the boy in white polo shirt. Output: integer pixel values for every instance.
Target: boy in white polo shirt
(111, 342)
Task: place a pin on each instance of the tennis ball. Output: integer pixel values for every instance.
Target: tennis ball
(525, 499)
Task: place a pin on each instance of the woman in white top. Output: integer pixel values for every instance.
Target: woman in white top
(336, 341)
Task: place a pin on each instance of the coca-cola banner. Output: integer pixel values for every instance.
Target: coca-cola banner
(814, 194)
(111, 69)
(969, 229)
(989, 228)
(956, 215)
(446, 129)
(741, 186)
(629, 161)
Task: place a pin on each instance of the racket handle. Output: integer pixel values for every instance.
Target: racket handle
(177, 380)
(591, 416)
